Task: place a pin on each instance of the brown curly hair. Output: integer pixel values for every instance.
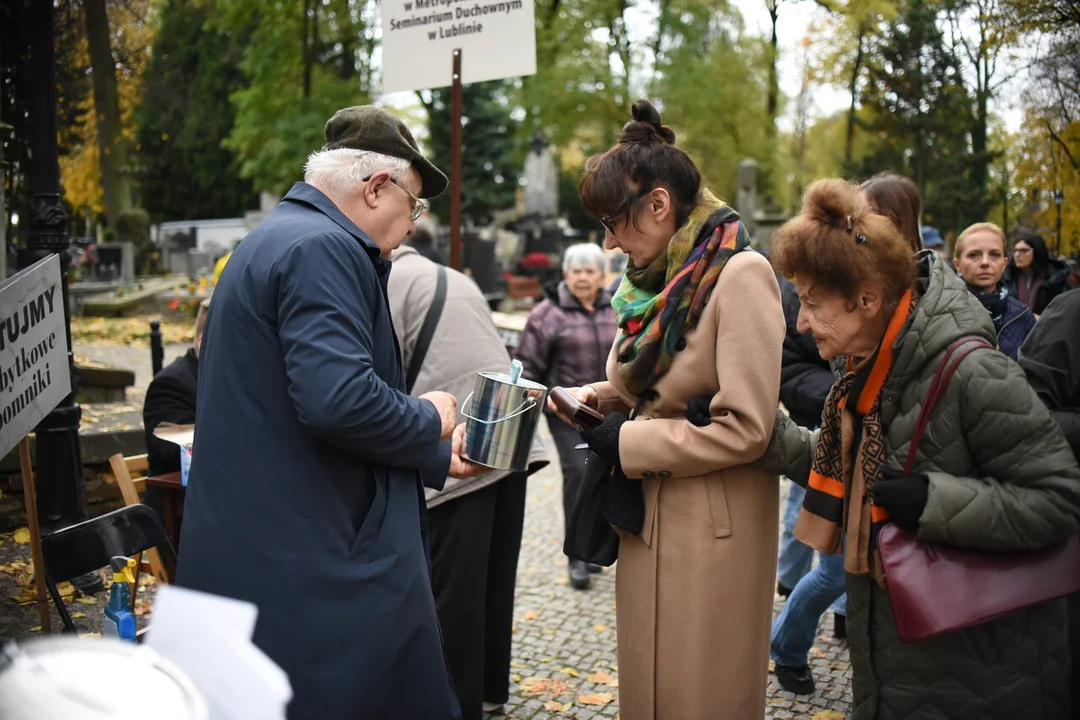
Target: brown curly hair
(841, 245)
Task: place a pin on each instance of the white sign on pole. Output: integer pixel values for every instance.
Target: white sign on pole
(33, 350)
(497, 39)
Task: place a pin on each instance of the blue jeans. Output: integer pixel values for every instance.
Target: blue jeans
(793, 632)
(795, 557)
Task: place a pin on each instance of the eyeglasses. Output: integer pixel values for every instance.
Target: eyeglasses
(419, 206)
(608, 221)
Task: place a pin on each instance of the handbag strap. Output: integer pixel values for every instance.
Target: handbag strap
(953, 355)
(427, 330)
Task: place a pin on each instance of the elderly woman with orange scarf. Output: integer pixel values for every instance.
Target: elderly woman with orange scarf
(992, 473)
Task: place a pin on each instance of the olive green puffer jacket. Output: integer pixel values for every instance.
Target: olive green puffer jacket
(1001, 478)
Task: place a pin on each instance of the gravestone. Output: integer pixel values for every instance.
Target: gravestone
(541, 180)
(746, 198)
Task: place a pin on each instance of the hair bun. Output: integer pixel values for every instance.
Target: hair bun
(831, 202)
(646, 126)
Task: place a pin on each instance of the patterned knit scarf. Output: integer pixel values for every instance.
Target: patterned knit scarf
(655, 306)
(837, 502)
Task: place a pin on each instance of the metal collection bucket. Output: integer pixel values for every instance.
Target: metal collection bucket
(502, 420)
(84, 679)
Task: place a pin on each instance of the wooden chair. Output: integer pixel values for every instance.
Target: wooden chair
(132, 489)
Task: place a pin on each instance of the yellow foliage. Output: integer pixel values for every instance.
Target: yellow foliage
(132, 28)
(1042, 166)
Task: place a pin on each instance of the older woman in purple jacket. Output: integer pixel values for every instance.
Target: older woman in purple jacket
(566, 343)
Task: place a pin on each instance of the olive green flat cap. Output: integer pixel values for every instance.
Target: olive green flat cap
(366, 127)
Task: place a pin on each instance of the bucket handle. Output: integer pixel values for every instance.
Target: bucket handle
(529, 404)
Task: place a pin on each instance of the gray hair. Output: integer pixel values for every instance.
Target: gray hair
(583, 254)
(340, 170)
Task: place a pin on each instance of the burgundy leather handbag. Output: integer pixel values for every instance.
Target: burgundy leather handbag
(936, 589)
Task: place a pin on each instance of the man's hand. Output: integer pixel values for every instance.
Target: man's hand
(446, 404)
(460, 466)
(585, 395)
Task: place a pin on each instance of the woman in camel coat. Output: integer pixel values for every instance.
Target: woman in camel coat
(698, 353)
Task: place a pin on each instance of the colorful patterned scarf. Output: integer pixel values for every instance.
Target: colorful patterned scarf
(656, 305)
(837, 501)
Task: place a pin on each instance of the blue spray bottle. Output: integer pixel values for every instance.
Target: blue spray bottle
(119, 621)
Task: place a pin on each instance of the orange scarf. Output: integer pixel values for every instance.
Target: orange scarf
(837, 502)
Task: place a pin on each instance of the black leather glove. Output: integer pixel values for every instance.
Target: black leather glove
(902, 496)
(697, 411)
(604, 438)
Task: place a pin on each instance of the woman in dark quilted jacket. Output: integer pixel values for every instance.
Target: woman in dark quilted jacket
(980, 257)
(565, 343)
(993, 472)
(1032, 276)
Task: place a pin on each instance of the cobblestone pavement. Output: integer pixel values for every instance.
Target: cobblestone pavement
(564, 639)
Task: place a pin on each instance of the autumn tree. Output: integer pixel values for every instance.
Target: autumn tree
(712, 79)
(490, 164)
(302, 62)
(184, 118)
(112, 145)
(96, 175)
(919, 109)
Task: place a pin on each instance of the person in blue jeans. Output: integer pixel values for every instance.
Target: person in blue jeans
(796, 558)
(794, 630)
(805, 381)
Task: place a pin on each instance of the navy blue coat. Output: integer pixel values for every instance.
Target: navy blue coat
(305, 492)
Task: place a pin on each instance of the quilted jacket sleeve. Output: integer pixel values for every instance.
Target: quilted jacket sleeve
(1028, 495)
(790, 451)
(534, 347)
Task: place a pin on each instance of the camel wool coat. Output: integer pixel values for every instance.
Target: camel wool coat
(694, 592)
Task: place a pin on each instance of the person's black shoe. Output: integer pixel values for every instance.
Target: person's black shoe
(89, 583)
(594, 569)
(579, 575)
(795, 678)
(783, 590)
(839, 626)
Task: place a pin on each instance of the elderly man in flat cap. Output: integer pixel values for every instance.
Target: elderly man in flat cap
(306, 491)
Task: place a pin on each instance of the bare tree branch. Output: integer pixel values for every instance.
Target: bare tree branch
(1064, 146)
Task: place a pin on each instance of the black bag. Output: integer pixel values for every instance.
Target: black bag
(589, 535)
(602, 500)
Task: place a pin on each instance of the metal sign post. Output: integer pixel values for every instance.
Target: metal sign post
(455, 163)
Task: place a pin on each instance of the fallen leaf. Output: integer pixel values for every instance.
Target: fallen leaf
(141, 610)
(516, 678)
(596, 699)
(817, 652)
(90, 635)
(599, 628)
(36, 628)
(66, 589)
(828, 715)
(531, 682)
(546, 659)
(570, 671)
(600, 678)
(86, 600)
(553, 706)
(515, 663)
(26, 596)
(531, 615)
(22, 535)
(78, 615)
(614, 683)
(615, 668)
